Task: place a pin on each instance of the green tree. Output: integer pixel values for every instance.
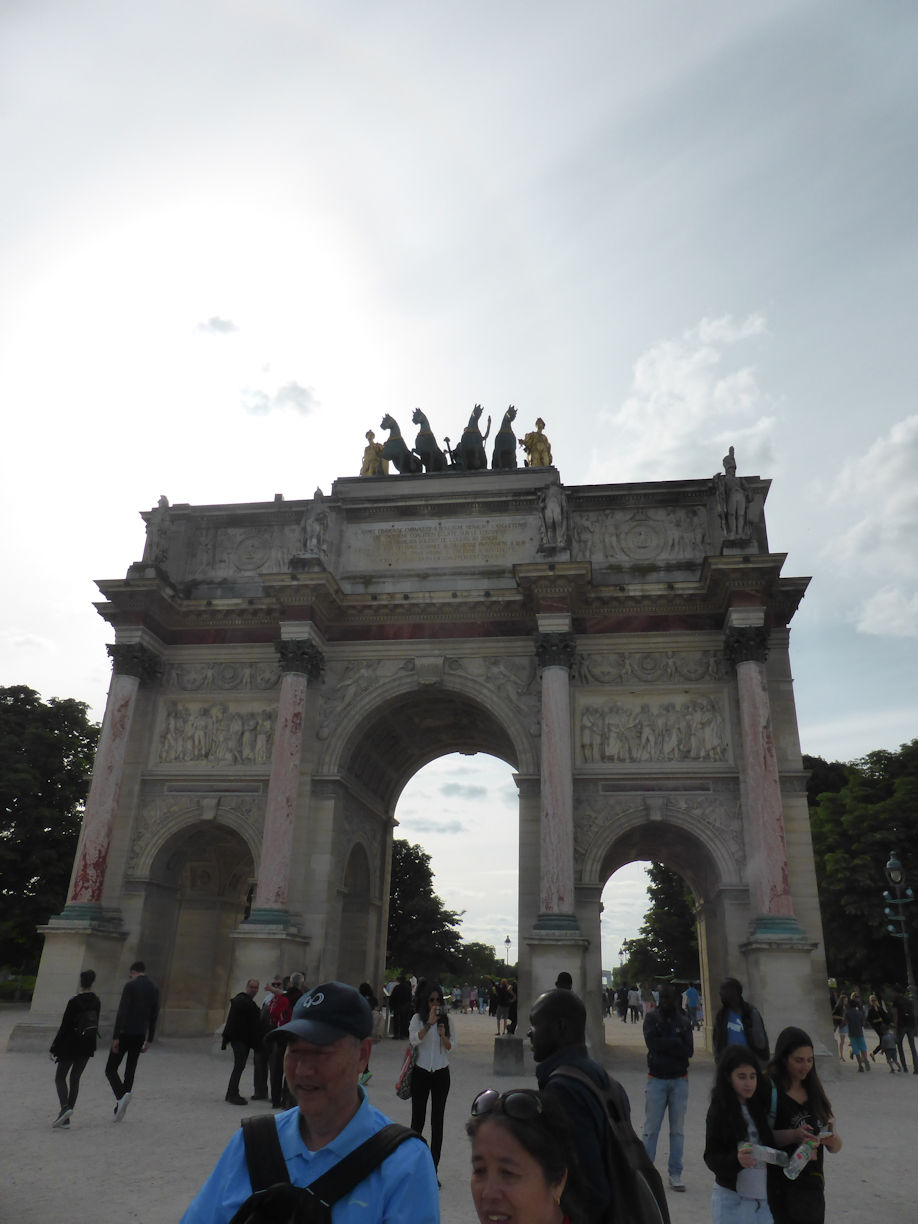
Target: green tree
(854, 828)
(423, 935)
(667, 943)
(46, 754)
(480, 961)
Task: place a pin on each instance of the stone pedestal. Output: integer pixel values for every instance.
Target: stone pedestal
(261, 949)
(508, 1056)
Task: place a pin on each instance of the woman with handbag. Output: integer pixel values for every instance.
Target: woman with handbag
(430, 1036)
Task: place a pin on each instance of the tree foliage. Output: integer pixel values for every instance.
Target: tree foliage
(866, 809)
(667, 943)
(46, 754)
(423, 935)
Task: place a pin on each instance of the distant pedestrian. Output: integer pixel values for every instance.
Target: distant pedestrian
(903, 1010)
(738, 1022)
(692, 999)
(135, 1025)
(242, 1031)
(855, 1018)
(890, 1049)
(634, 1004)
(74, 1045)
(668, 1037)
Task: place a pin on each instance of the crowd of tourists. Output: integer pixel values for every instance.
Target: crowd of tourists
(566, 1153)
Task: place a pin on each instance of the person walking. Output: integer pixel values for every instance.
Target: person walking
(430, 1034)
(737, 1120)
(903, 1009)
(135, 1025)
(855, 1018)
(738, 1022)
(74, 1045)
(670, 1045)
(242, 1031)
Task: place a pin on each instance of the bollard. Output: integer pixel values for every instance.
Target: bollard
(508, 1056)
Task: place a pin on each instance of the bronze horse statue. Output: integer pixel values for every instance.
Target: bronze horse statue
(396, 449)
(425, 444)
(471, 451)
(504, 455)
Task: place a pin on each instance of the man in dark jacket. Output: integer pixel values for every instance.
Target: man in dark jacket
(739, 1023)
(242, 1031)
(557, 1034)
(668, 1037)
(135, 1024)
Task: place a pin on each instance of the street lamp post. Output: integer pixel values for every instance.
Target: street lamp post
(507, 953)
(895, 912)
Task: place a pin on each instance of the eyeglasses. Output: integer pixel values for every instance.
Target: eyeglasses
(521, 1104)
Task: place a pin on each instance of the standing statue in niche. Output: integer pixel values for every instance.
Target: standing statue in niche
(155, 548)
(315, 527)
(733, 499)
(553, 517)
(504, 456)
(373, 462)
(537, 447)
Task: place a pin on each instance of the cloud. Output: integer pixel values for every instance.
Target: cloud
(291, 395)
(690, 398)
(215, 326)
(433, 826)
(458, 790)
(877, 551)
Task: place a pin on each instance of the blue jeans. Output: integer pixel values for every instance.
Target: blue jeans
(661, 1094)
(728, 1208)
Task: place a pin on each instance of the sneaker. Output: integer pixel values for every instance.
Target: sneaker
(62, 1119)
(121, 1107)
(676, 1183)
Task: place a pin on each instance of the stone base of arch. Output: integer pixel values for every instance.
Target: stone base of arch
(786, 975)
(71, 945)
(550, 953)
(260, 949)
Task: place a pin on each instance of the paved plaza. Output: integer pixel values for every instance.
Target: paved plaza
(148, 1167)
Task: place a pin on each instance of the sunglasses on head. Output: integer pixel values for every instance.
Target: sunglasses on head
(519, 1103)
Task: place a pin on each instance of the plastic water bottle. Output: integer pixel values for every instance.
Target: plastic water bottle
(800, 1159)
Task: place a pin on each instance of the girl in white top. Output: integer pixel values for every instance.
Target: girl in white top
(431, 1035)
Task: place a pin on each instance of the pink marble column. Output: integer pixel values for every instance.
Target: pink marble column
(132, 665)
(767, 871)
(299, 661)
(556, 881)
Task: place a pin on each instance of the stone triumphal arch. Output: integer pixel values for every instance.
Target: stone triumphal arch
(281, 669)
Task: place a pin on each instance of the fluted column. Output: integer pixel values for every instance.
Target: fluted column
(133, 664)
(300, 661)
(555, 653)
(746, 648)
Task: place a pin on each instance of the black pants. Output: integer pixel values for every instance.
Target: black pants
(128, 1044)
(903, 1035)
(74, 1067)
(433, 1084)
(240, 1058)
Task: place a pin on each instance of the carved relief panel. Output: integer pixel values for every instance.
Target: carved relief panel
(644, 534)
(629, 729)
(649, 666)
(215, 734)
(222, 677)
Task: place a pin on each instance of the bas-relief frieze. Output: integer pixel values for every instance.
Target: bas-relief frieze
(215, 734)
(647, 534)
(719, 815)
(243, 674)
(227, 552)
(649, 666)
(634, 730)
(439, 545)
(244, 813)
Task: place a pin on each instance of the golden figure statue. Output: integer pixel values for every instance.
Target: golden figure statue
(537, 446)
(373, 462)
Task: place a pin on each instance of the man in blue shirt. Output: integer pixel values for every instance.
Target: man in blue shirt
(738, 1022)
(328, 1042)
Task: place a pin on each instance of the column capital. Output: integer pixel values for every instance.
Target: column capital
(749, 645)
(556, 649)
(300, 656)
(134, 659)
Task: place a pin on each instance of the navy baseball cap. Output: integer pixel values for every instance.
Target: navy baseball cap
(328, 1013)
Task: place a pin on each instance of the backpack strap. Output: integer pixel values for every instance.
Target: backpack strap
(263, 1154)
(359, 1164)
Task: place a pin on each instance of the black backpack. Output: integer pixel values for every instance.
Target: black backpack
(276, 1201)
(638, 1196)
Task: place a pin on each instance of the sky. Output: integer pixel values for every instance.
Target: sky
(235, 234)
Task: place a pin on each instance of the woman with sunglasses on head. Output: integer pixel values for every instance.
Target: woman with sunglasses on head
(429, 1032)
(803, 1113)
(524, 1165)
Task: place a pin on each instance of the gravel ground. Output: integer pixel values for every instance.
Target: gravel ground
(148, 1167)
